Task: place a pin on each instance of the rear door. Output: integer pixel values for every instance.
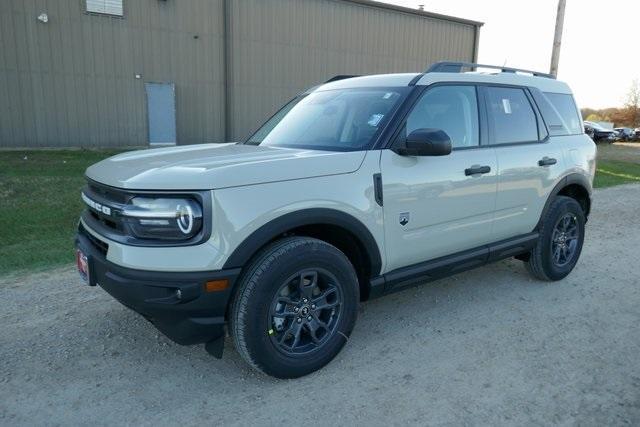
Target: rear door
(436, 206)
(530, 163)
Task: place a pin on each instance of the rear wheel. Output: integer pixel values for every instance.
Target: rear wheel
(560, 240)
(295, 307)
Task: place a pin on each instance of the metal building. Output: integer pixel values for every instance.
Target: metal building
(101, 73)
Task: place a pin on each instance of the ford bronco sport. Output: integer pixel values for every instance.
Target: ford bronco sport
(356, 188)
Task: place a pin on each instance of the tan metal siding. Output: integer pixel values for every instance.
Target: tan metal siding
(280, 47)
(71, 81)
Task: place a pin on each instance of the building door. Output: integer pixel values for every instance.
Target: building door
(161, 110)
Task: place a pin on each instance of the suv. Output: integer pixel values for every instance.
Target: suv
(356, 188)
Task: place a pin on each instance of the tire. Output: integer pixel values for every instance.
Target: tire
(543, 262)
(264, 326)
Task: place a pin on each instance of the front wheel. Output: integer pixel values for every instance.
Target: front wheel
(295, 307)
(560, 241)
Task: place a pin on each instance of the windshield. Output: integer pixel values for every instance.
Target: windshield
(337, 120)
(595, 125)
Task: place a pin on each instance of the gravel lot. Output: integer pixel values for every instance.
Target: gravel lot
(490, 347)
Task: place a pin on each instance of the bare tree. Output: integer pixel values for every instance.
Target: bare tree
(633, 103)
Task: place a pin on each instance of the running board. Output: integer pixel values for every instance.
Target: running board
(438, 268)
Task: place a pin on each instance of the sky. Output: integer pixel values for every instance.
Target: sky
(600, 53)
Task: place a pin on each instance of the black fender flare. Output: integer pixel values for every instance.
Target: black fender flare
(571, 179)
(315, 216)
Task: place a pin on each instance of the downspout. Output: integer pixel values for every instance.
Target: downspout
(226, 5)
(476, 43)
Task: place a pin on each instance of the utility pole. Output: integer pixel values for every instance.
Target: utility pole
(557, 38)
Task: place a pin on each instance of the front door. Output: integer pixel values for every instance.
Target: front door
(161, 109)
(436, 206)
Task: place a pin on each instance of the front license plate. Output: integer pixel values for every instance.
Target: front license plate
(82, 262)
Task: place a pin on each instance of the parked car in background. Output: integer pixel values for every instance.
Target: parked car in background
(599, 133)
(637, 134)
(625, 134)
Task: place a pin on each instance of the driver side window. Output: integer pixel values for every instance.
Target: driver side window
(453, 109)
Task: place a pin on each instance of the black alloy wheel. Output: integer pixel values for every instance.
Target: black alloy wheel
(305, 311)
(564, 240)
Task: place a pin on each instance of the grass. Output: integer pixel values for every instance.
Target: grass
(40, 205)
(620, 151)
(40, 200)
(610, 173)
(617, 164)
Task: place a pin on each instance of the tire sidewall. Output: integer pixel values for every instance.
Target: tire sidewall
(269, 279)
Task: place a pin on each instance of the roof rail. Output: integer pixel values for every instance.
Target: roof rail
(456, 67)
(340, 77)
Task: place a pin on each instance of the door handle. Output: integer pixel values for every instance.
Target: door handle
(547, 161)
(476, 170)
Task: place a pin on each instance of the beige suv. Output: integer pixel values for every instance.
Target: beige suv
(356, 188)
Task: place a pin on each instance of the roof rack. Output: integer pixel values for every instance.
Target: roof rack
(456, 67)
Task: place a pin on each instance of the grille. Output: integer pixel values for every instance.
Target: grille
(107, 193)
(98, 244)
(104, 220)
(112, 198)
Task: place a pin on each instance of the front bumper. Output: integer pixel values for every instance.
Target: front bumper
(190, 316)
(604, 136)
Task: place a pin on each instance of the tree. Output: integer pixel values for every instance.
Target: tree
(586, 112)
(620, 117)
(627, 116)
(633, 103)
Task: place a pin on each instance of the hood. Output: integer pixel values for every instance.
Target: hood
(213, 166)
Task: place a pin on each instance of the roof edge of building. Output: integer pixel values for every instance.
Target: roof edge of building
(423, 13)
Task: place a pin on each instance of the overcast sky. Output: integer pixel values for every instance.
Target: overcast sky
(600, 48)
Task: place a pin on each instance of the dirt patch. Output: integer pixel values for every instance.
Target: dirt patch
(489, 347)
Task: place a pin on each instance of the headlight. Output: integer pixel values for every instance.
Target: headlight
(163, 218)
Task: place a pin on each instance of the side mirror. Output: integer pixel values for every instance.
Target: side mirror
(426, 142)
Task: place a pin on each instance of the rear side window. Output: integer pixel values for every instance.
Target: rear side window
(511, 116)
(567, 110)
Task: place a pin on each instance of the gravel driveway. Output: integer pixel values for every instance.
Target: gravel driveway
(489, 347)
